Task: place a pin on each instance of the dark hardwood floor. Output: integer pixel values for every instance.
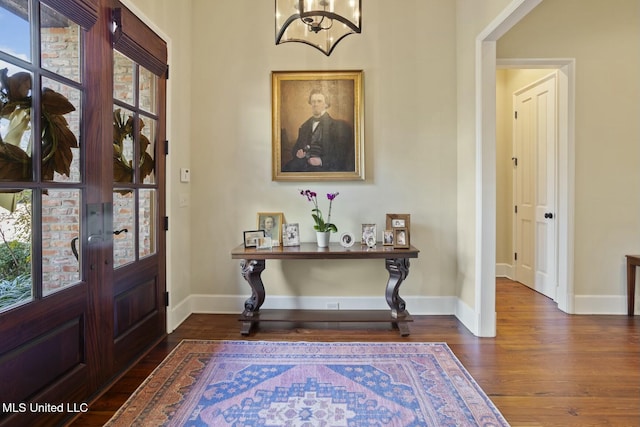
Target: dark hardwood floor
(544, 368)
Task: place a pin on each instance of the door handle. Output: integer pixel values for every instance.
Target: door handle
(548, 215)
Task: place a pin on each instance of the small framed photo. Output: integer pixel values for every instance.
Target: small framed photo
(369, 232)
(400, 238)
(265, 243)
(395, 221)
(347, 240)
(290, 235)
(387, 238)
(271, 223)
(252, 238)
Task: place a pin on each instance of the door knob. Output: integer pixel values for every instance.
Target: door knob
(548, 215)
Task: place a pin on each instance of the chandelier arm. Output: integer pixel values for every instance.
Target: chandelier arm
(331, 15)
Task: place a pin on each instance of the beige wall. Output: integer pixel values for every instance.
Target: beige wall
(604, 38)
(472, 17)
(420, 139)
(409, 82)
(173, 24)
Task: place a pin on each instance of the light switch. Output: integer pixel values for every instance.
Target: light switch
(185, 175)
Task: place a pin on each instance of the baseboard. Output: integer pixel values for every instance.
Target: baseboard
(178, 314)
(234, 304)
(600, 304)
(504, 270)
(467, 316)
(417, 305)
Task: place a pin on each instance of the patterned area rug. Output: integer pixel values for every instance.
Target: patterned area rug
(300, 384)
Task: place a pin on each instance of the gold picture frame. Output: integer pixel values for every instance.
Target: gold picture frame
(336, 98)
(271, 223)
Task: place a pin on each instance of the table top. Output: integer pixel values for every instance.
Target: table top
(334, 251)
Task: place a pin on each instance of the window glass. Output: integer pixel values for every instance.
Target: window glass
(15, 248)
(147, 88)
(148, 149)
(123, 78)
(123, 145)
(60, 44)
(147, 225)
(60, 132)
(60, 239)
(14, 29)
(15, 123)
(124, 250)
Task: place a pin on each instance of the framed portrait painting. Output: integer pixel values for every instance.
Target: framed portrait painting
(271, 223)
(317, 122)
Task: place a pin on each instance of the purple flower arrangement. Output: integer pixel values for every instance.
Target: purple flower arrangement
(320, 223)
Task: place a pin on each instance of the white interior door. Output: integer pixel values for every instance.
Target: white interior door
(535, 138)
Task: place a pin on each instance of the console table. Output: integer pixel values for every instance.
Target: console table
(253, 263)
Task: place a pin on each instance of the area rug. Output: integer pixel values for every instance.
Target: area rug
(305, 384)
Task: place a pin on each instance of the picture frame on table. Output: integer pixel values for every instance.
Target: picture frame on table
(252, 238)
(336, 98)
(369, 234)
(347, 239)
(387, 238)
(271, 223)
(291, 234)
(400, 238)
(396, 221)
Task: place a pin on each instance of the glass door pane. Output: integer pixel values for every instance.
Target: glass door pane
(135, 151)
(15, 248)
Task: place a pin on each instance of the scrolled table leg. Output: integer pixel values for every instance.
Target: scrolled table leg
(398, 269)
(251, 270)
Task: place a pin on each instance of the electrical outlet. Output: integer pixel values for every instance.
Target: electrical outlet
(333, 306)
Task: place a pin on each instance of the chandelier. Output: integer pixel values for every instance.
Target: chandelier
(318, 23)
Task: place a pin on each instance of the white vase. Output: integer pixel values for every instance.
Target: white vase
(323, 238)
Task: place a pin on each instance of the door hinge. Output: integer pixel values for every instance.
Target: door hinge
(516, 115)
(166, 299)
(166, 147)
(166, 223)
(166, 74)
(515, 209)
(515, 256)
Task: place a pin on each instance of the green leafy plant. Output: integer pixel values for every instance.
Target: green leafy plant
(15, 259)
(320, 224)
(14, 290)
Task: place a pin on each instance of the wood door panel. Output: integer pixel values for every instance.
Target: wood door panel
(23, 371)
(137, 340)
(138, 311)
(133, 306)
(38, 318)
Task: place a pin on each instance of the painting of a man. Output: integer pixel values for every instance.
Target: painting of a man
(324, 144)
(317, 125)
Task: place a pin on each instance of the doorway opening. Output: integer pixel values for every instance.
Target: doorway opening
(554, 282)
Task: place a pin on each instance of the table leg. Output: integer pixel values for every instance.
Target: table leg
(251, 271)
(631, 286)
(398, 269)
